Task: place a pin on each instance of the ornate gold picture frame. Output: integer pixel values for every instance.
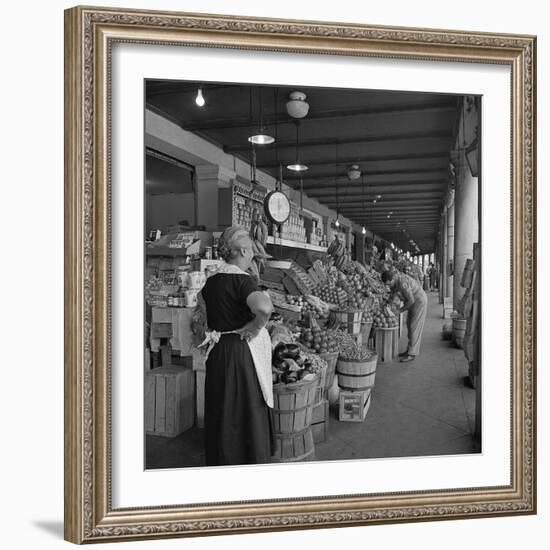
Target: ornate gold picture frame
(90, 34)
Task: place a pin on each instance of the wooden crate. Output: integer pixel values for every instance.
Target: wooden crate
(320, 421)
(386, 343)
(169, 400)
(161, 330)
(354, 405)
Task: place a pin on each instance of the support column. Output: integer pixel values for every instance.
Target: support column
(209, 179)
(444, 258)
(450, 244)
(466, 227)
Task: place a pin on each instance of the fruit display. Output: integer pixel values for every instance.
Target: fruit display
(291, 364)
(339, 253)
(318, 340)
(368, 316)
(385, 318)
(332, 294)
(315, 306)
(356, 300)
(295, 300)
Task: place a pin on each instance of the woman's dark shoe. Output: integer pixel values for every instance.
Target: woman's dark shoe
(406, 358)
(403, 354)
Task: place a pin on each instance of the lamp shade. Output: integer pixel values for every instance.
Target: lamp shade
(261, 138)
(297, 166)
(353, 172)
(297, 106)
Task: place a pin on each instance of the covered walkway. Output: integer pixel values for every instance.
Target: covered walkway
(422, 408)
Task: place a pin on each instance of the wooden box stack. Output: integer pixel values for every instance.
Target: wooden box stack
(169, 400)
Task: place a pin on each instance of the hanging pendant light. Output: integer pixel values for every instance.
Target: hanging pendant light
(261, 137)
(353, 172)
(363, 230)
(297, 165)
(199, 100)
(297, 106)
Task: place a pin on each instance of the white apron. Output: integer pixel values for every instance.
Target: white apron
(260, 347)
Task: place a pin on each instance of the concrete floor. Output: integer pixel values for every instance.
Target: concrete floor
(421, 408)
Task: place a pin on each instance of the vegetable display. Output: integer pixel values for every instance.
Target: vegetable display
(291, 364)
(348, 347)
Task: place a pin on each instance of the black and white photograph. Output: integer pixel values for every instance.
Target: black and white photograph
(312, 274)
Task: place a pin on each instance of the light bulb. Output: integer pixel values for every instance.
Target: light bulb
(199, 100)
(364, 231)
(337, 223)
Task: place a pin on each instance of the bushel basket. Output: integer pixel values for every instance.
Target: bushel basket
(355, 374)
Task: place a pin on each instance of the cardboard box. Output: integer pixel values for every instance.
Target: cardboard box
(354, 405)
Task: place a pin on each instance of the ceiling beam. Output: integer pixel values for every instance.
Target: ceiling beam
(432, 204)
(386, 196)
(281, 118)
(320, 142)
(366, 158)
(369, 173)
(375, 187)
(398, 228)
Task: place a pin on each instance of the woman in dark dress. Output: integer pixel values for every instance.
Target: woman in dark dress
(237, 416)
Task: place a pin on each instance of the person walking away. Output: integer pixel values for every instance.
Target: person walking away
(415, 304)
(432, 276)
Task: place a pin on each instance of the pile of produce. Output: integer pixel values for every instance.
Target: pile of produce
(339, 253)
(385, 318)
(320, 341)
(295, 300)
(368, 316)
(316, 307)
(291, 364)
(348, 347)
(310, 305)
(357, 353)
(332, 294)
(356, 300)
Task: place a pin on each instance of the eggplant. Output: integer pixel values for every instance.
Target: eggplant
(280, 351)
(289, 377)
(292, 351)
(280, 364)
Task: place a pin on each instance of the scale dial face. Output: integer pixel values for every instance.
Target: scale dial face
(277, 207)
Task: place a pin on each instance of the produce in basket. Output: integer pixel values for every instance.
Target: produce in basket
(318, 340)
(291, 364)
(385, 318)
(357, 353)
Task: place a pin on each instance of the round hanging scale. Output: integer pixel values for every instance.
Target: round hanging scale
(277, 207)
